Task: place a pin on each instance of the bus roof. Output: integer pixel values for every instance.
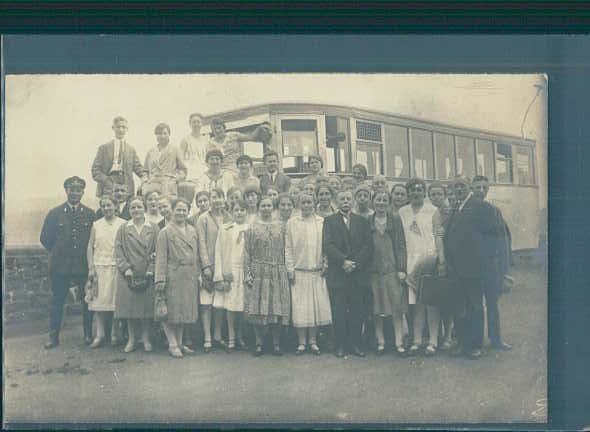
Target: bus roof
(362, 114)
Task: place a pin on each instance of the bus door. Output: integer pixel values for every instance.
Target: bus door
(297, 137)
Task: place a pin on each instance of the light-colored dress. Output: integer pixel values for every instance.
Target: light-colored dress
(178, 266)
(207, 230)
(231, 149)
(105, 264)
(136, 251)
(154, 219)
(419, 238)
(206, 181)
(242, 183)
(165, 167)
(229, 259)
(310, 300)
(193, 150)
(268, 300)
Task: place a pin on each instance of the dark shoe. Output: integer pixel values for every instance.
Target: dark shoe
(339, 353)
(258, 351)
(456, 351)
(51, 344)
(277, 351)
(219, 344)
(475, 354)
(358, 352)
(503, 346)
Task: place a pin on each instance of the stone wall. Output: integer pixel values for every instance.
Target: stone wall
(27, 291)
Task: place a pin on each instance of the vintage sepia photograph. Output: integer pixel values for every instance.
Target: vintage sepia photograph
(293, 248)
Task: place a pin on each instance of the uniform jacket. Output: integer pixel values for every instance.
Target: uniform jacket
(339, 244)
(282, 182)
(470, 239)
(103, 162)
(65, 235)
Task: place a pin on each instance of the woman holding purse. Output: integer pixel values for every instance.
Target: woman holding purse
(177, 268)
(135, 252)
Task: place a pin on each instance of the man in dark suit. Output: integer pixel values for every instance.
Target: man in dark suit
(272, 176)
(347, 244)
(499, 264)
(121, 197)
(65, 235)
(469, 240)
(115, 161)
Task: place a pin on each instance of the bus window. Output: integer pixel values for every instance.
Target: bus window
(422, 153)
(465, 157)
(337, 145)
(445, 156)
(504, 163)
(485, 159)
(368, 146)
(300, 140)
(524, 167)
(397, 160)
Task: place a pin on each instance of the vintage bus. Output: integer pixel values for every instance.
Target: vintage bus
(400, 148)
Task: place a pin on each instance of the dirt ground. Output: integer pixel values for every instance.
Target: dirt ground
(76, 384)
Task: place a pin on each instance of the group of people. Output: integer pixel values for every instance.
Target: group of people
(257, 254)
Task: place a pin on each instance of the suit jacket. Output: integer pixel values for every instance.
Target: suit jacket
(470, 239)
(103, 163)
(503, 246)
(339, 244)
(65, 235)
(282, 182)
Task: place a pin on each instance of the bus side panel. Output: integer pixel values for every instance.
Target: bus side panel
(520, 208)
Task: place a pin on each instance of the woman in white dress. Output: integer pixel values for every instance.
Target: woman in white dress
(228, 278)
(102, 266)
(417, 221)
(303, 256)
(208, 226)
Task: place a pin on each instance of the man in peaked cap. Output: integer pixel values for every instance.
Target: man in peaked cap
(65, 235)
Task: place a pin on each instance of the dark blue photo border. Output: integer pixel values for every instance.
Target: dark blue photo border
(564, 58)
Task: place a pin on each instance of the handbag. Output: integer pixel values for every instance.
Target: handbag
(139, 283)
(439, 291)
(91, 289)
(160, 306)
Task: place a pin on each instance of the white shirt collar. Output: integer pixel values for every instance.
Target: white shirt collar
(465, 200)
